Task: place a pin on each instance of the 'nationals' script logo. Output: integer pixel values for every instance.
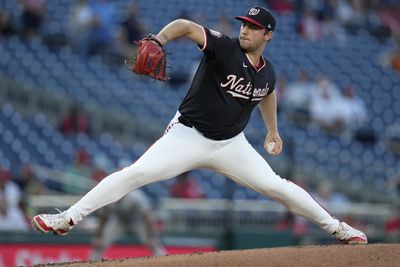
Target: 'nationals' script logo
(236, 88)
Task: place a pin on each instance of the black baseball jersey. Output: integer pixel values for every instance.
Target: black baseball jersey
(225, 88)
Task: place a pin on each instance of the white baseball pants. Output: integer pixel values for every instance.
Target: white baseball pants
(182, 149)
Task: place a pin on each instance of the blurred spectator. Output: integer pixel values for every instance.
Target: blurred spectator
(225, 26)
(120, 48)
(78, 174)
(6, 27)
(186, 187)
(101, 35)
(328, 197)
(11, 216)
(29, 184)
(298, 97)
(331, 19)
(343, 11)
(124, 36)
(310, 26)
(357, 18)
(389, 15)
(354, 113)
(134, 28)
(325, 107)
(131, 214)
(74, 121)
(332, 30)
(33, 13)
(353, 108)
(375, 25)
(300, 91)
(81, 21)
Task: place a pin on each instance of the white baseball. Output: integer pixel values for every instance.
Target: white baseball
(270, 147)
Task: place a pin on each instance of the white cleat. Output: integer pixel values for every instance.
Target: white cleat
(59, 224)
(348, 235)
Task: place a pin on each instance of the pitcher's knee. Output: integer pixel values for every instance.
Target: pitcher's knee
(138, 176)
(272, 192)
(276, 189)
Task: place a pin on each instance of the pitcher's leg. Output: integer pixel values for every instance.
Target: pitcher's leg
(166, 158)
(240, 162)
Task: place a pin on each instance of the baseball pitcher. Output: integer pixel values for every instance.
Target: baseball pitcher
(207, 130)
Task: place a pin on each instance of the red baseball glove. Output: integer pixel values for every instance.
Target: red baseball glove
(150, 59)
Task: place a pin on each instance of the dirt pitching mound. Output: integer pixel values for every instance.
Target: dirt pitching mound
(334, 255)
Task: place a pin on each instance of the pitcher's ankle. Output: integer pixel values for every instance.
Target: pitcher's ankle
(69, 217)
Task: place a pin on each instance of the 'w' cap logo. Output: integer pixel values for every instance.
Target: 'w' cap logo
(254, 11)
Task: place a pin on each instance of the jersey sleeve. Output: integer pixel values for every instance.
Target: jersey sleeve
(217, 46)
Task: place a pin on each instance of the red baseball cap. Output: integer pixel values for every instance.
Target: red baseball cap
(259, 16)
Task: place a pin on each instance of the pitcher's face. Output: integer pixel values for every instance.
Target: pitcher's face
(252, 37)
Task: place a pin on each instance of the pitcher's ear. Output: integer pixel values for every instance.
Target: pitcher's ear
(268, 35)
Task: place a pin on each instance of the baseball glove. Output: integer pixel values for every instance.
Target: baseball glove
(150, 59)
